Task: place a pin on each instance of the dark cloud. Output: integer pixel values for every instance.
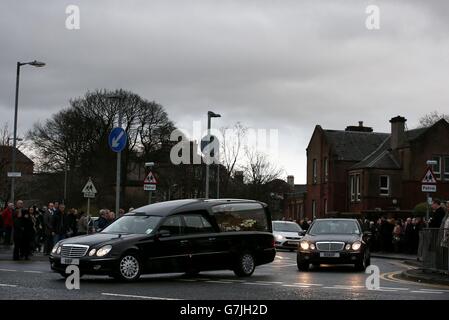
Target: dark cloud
(286, 65)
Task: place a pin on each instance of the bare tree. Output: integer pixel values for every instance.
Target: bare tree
(231, 146)
(431, 118)
(5, 135)
(258, 169)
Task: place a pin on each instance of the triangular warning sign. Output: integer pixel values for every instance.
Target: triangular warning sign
(89, 187)
(150, 179)
(429, 177)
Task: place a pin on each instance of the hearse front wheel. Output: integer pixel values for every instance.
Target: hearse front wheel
(245, 265)
(129, 268)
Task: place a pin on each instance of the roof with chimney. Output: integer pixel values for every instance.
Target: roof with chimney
(369, 149)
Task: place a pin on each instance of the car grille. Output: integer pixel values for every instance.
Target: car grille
(330, 246)
(74, 250)
(292, 238)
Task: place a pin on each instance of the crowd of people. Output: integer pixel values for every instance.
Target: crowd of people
(33, 229)
(398, 235)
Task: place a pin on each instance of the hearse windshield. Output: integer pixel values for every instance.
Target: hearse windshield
(140, 224)
(286, 227)
(334, 227)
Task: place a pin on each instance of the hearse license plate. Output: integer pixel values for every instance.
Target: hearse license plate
(329, 254)
(70, 261)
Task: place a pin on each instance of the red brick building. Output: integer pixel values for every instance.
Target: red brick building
(358, 170)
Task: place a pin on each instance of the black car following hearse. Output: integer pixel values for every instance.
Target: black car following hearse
(334, 241)
(186, 236)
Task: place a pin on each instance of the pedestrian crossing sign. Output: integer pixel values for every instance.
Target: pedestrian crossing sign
(89, 190)
(150, 179)
(429, 177)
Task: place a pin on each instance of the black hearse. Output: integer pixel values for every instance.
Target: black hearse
(175, 236)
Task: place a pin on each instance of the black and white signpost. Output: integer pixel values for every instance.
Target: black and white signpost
(428, 186)
(89, 192)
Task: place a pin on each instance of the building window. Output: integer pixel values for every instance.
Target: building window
(313, 209)
(436, 168)
(326, 169)
(446, 168)
(358, 187)
(384, 185)
(325, 206)
(355, 187)
(314, 171)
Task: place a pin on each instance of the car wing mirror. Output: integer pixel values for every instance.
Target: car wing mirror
(163, 234)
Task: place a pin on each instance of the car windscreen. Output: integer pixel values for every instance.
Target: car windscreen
(140, 224)
(334, 227)
(286, 227)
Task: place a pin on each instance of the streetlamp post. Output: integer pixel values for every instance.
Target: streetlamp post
(16, 109)
(210, 115)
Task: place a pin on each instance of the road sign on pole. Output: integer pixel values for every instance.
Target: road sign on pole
(14, 174)
(429, 177)
(89, 189)
(117, 139)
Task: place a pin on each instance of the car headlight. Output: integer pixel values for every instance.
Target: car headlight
(356, 245)
(348, 247)
(104, 251)
(55, 248)
(58, 251)
(279, 237)
(312, 246)
(304, 245)
(92, 252)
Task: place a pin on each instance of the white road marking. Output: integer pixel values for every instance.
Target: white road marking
(217, 281)
(270, 282)
(257, 283)
(437, 292)
(232, 280)
(33, 271)
(285, 265)
(8, 270)
(391, 288)
(307, 284)
(434, 290)
(187, 280)
(134, 296)
(295, 286)
(7, 285)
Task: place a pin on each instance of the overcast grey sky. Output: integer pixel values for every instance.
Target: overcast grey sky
(286, 65)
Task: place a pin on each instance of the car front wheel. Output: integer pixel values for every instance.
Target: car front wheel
(129, 268)
(302, 265)
(245, 265)
(364, 262)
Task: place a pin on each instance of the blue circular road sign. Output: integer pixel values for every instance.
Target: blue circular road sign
(117, 139)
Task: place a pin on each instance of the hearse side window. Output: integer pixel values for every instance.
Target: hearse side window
(196, 223)
(173, 225)
(241, 217)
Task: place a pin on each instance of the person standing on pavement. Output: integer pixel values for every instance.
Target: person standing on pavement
(18, 230)
(59, 224)
(71, 223)
(102, 220)
(48, 228)
(7, 216)
(438, 214)
(27, 241)
(82, 224)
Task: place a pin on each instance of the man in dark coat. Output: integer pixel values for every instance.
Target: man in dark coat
(438, 214)
(48, 228)
(17, 234)
(59, 224)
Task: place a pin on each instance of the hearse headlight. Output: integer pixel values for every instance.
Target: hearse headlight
(312, 246)
(348, 246)
(58, 251)
(356, 245)
(304, 245)
(92, 252)
(104, 251)
(279, 237)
